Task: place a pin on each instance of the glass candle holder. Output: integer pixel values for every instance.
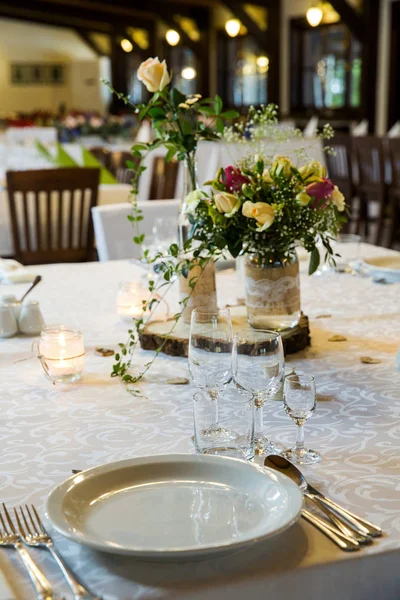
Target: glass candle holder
(62, 353)
(130, 297)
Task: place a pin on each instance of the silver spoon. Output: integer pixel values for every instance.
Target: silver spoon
(361, 526)
(37, 280)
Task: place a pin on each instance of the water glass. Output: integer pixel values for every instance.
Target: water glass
(258, 366)
(235, 418)
(300, 400)
(346, 251)
(210, 354)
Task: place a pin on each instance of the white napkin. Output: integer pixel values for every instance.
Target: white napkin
(361, 129)
(311, 128)
(394, 131)
(11, 271)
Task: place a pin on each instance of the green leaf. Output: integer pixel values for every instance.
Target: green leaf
(177, 97)
(207, 111)
(217, 105)
(156, 111)
(230, 114)
(219, 125)
(314, 261)
(170, 154)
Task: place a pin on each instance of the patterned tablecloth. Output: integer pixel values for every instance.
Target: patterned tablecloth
(48, 430)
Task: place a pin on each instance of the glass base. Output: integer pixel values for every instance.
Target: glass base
(218, 433)
(66, 378)
(274, 322)
(303, 457)
(232, 452)
(265, 446)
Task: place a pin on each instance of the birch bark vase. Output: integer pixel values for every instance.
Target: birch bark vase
(204, 293)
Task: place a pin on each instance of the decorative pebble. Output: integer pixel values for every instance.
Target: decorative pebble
(337, 338)
(104, 352)
(323, 316)
(178, 381)
(367, 360)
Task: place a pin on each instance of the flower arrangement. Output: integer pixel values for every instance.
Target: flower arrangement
(179, 121)
(269, 209)
(77, 124)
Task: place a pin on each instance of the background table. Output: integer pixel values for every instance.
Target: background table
(48, 430)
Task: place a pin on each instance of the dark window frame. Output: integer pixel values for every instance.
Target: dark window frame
(297, 68)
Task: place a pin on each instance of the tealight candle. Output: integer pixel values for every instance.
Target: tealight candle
(62, 353)
(129, 301)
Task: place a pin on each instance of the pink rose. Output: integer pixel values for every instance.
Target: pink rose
(234, 179)
(320, 190)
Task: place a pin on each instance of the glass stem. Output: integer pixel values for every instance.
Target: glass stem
(300, 439)
(258, 420)
(214, 409)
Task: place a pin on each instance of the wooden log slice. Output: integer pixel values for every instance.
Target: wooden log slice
(155, 333)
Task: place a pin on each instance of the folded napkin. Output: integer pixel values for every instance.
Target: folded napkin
(11, 271)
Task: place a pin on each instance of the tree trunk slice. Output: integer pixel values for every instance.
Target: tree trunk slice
(154, 334)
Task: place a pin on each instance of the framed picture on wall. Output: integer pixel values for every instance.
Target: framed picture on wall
(37, 74)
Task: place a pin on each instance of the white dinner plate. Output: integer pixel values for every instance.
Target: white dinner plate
(173, 506)
(382, 267)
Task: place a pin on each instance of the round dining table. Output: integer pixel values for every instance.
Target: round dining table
(48, 430)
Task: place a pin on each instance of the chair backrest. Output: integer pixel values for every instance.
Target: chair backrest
(119, 168)
(114, 233)
(394, 154)
(339, 162)
(102, 154)
(163, 178)
(50, 214)
(369, 153)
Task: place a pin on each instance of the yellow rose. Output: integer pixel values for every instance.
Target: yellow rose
(338, 199)
(303, 198)
(282, 165)
(262, 212)
(267, 176)
(314, 171)
(153, 74)
(226, 203)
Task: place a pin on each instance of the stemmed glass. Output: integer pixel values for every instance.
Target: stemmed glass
(258, 366)
(300, 400)
(210, 355)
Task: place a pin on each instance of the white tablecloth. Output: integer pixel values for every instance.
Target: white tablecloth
(48, 430)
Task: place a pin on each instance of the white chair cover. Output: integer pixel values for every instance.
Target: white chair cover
(361, 129)
(114, 233)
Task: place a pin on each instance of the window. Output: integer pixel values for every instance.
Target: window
(185, 71)
(37, 74)
(242, 71)
(325, 68)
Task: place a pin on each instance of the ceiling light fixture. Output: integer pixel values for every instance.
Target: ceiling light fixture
(232, 27)
(188, 73)
(314, 16)
(126, 45)
(172, 37)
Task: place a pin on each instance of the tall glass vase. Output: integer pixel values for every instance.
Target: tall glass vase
(190, 184)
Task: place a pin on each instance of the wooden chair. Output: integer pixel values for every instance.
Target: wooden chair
(393, 145)
(119, 168)
(340, 168)
(51, 214)
(163, 179)
(102, 154)
(372, 186)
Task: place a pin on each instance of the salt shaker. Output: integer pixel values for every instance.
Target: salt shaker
(8, 322)
(10, 300)
(31, 321)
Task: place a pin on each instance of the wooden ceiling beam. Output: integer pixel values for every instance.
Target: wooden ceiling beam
(350, 17)
(258, 34)
(85, 36)
(47, 18)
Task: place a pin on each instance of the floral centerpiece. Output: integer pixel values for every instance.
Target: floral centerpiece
(263, 211)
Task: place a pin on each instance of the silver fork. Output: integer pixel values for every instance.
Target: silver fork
(35, 534)
(10, 537)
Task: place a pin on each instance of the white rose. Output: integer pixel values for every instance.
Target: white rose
(338, 199)
(192, 201)
(153, 74)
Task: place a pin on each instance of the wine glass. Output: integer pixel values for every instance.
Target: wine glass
(258, 366)
(300, 400)
(210, 355)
